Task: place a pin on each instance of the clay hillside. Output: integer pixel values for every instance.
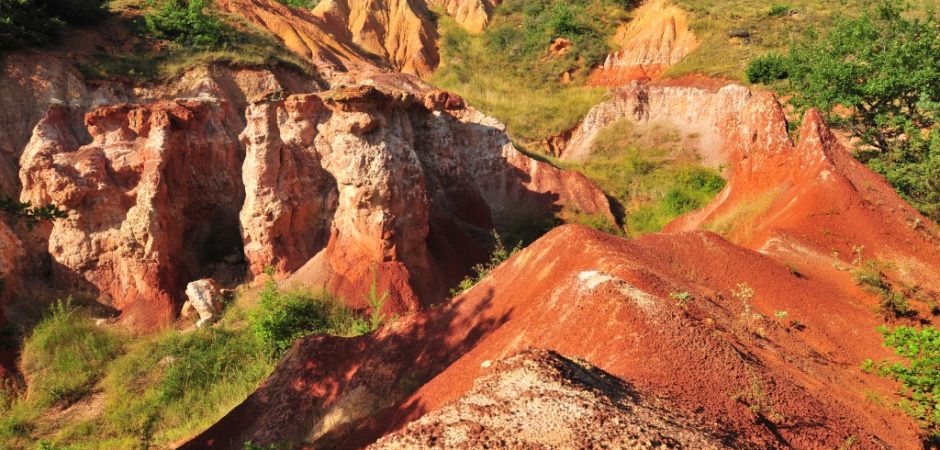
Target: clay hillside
(462, 224)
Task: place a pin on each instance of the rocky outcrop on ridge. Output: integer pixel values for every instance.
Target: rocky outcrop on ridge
(657, 36)
(473, 15)
(358, 36)
(540, 399)
(708, 109)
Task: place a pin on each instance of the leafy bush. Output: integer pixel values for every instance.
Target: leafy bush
(187, 23)
(65, 355)
(779, 10)
(767, 69)
(308, 4)
(919, 373)
(282, 317)
(499, 254)
(892, 303)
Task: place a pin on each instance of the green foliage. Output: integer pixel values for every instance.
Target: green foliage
(376, 302)
(188, 23)
(175, 383)
(281, 317)
(32, 215)
(767, 69)
(884, 69)
(893, 303)
(65, 355)
(25, 23)
(919, 372)
(779, 10)
(307, 4)
(650, 172)
(499, 254)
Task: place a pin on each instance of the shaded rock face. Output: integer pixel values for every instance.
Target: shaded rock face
(657, 37)
(540, 399)
(355, 183)
(153, 201)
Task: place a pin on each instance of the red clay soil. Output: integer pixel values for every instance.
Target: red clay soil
(813, 205)
(767, 382)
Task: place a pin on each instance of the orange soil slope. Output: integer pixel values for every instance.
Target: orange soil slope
(606, 300)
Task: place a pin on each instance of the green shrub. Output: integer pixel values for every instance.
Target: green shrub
(892, 302)
(307, 4)
(767, 69)
(281, 317)
(65, 355)
(499, 254)
(187, 23)
(779, 10)
(919, 373)
(883, 68)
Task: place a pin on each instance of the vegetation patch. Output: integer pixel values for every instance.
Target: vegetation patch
(878, 76)
(175, 35)
(510, 72)
(918, 371)
(151, 391)
(655, 182)
(27, 23)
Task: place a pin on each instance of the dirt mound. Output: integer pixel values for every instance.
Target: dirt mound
(540, 399)
(657, 37)
(728, 359)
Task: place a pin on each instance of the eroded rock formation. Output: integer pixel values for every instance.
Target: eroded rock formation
(153, 201)
(657, 37)
(358, 182)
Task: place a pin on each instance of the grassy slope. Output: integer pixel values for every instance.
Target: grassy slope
(719, 55)
(652, 172)
(507, 72)
(94, 387)
(154, 60)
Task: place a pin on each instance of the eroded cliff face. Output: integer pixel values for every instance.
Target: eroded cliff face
(710, 110)
(389, 179)
(657, 37)
(153, 202)
(361, 182)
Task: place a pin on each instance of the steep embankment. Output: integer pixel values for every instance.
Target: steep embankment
(362, 36)
(763, 338)
(657, 36)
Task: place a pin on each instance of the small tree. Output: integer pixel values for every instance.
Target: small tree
(879, 76)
